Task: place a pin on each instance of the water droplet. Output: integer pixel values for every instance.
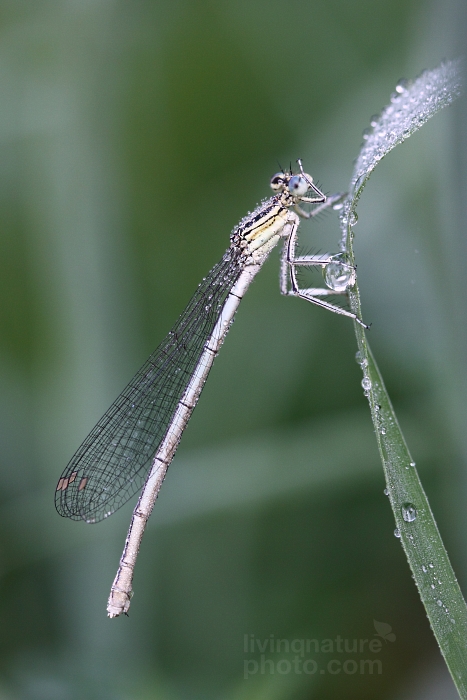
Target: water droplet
(367, 132)
(431, 565)
(361, 359)
(432, 585)
(383, 431)
(374, 119)
(412, 464)
(366, 383)
(440, 602)
(353, 218)
(409, 512)
(424, 569)
(397, 532)
(386, 492)
(402, 85)
(338, 274)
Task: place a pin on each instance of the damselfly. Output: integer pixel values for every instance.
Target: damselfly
(133, 444)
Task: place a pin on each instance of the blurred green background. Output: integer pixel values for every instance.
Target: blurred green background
(134, 135)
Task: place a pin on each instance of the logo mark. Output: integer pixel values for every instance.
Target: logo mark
(384, 631)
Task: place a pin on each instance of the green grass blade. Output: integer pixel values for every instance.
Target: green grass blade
(411, 106)
(419, 535)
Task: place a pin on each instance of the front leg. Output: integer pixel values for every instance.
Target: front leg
(290, 261)
(332, 201)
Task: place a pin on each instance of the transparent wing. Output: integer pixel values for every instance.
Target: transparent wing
(113, 462)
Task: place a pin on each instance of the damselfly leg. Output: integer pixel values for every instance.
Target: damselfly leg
(341, 275)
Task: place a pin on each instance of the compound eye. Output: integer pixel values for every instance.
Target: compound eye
(298, 185)
(277, 182)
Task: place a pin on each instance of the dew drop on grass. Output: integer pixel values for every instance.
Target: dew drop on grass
(339, 275)
(360, 359)
(402, 85)
(397, 532)
(409, 512)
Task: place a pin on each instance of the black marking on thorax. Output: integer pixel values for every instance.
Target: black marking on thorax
(258, 218)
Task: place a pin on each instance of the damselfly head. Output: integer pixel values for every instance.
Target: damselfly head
(291, 190)
(295, 185)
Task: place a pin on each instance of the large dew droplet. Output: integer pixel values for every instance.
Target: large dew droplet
(409, 512)
(338, 274)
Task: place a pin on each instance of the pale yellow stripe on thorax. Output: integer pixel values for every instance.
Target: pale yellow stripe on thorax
(265, 228)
